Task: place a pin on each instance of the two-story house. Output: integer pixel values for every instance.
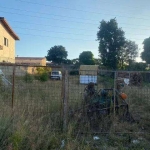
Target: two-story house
(7, 42)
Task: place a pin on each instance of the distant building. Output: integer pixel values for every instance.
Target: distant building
(31, 61)
(7, 42)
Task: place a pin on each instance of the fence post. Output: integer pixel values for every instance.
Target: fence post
(65, 100)
(114, 93)
(13, 87)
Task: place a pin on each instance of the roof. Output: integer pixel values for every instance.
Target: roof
(89, 67)
(8, 28)
(31, 58)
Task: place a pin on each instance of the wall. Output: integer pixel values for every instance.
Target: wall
(19, 70)
(31, 61)
(8, 53)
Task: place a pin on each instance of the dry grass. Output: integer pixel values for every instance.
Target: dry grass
(36, 120)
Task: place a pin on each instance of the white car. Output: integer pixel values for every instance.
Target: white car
(56, 75)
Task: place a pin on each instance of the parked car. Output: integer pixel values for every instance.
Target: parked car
(56, 75)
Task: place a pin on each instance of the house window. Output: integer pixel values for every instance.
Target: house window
(5, 41)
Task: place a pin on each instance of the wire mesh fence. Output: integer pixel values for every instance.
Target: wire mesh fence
(31, 94)
(110, 95)
(88, 102)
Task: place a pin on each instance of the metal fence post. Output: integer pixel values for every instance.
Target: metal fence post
(65, 100)
(13, 86)
(114, 93)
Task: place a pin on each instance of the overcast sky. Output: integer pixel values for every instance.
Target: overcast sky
(41, 24)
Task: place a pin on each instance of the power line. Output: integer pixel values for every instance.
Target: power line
(52, 31)
(56, 37)
(67, 38)
(71, 27)
(64, 20)
(56, 15)
(79, 10)
(69, 8)
(46, 17)
(48, 14)
(61, 32)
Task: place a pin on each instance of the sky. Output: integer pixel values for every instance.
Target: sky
(42, 24)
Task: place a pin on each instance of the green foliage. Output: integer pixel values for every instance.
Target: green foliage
(111, 39)
(97, 61)
(74, 72)
(67, 61)
(145, 55)
(43, 77)
(41, 70)
(57, 54)
(76, 63)
(1, 82)
(128, 53)
(28, 78)
(137, 66)
(86, 58)
(43, 73)
(5, 131)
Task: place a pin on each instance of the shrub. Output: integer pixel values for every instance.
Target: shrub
(74, 72)
(41, 70)
(28, 78)
(43, 77)
(43, 73)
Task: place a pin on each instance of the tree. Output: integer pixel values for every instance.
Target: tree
(86, 58)
(128, 53)
(145, 55)
(111, 40)
(76, 63)
(67, 62)
(137, 66)
(97, 61)
(57, 54)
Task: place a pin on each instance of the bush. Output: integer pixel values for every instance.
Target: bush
(43, 73)
(74, 72)
(28, 78)
(41, 70)
(43, 77)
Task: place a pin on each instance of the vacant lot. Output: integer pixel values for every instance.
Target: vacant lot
(36, 120)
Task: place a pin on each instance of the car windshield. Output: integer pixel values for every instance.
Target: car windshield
(55, 73)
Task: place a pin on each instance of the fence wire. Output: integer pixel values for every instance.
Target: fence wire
(118, 102)
(102, 102)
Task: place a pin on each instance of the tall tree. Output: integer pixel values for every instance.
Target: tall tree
(111, 39)
(145, 55)
(86, 58)
(128, 53)
(57, 54)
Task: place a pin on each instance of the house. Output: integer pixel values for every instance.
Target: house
(7, 42)
(31, 61)
(88, 73)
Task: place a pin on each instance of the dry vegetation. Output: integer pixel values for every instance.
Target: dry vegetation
(35, 122)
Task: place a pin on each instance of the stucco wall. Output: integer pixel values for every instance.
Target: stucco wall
(8, 53)
(19, 70)
(31, 61)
